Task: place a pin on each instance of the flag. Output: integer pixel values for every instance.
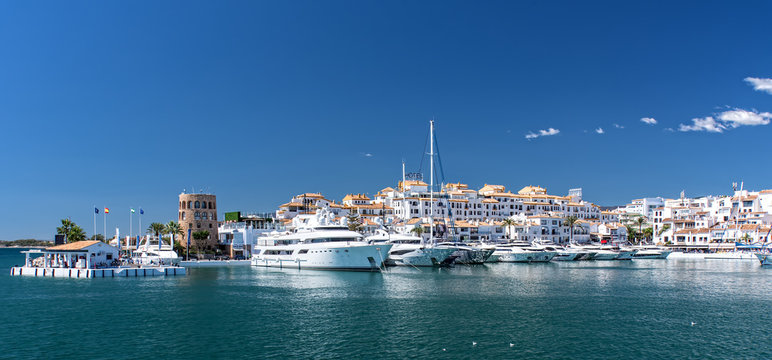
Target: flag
(96, 211)
(107, 211)
(141, 211)
(132, 210)
(189, 237)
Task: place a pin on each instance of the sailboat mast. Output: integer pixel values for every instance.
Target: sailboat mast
(431, 181)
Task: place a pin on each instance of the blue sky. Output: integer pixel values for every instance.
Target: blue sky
(125, 104)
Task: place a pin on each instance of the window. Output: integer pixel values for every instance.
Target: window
(188, 204)
(205, 215)
(203, 204)
(210, 205)
(183, 216)
(198, 205)
(197, 215)
(214, 216)
(198, 225)
(210, 225)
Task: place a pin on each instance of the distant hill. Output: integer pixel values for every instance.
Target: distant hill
(25, 243)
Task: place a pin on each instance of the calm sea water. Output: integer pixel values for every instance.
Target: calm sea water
(594, 310)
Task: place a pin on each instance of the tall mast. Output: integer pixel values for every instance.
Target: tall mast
(402, 188)
(431, 181)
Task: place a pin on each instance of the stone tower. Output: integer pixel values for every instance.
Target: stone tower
(198, 212)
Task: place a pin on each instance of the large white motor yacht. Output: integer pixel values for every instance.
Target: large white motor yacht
(318, 243)
(408, 250)
(523, 252)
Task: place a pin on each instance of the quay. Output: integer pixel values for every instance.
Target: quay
(85, 259)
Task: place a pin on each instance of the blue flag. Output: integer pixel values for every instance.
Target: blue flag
(96, 211)
(141, 211)
(189, 230)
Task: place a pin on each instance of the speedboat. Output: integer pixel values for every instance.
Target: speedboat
(408, 250)
(523, 252)
(469, 254)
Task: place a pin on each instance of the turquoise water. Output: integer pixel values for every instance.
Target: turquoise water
(594, 310)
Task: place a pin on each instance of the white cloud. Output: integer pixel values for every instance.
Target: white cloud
(729, 119)
(599, 130)
(650, 121)
(703, 124)
(739, 117)
(548, 132)
(366, 154)
(760, 84)
(618, 126)
(669, 129)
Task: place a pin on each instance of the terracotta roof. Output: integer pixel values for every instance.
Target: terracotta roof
(350, 197)
(78, 245)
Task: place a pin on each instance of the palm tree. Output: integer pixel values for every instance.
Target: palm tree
(648, 233)
(173, 228)
(571, 222)
(507, 223)
(418, 230)
(640, 221)
(630, 230)
(72, 231)
(156, 228)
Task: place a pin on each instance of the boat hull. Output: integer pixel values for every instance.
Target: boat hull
(527, 257)
(329, 257)
(765, 259)
(426, 257)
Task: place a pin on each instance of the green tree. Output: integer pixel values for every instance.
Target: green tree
(156, 228)
(571, 222)
(173, 228)
(99, 237)
(630, 232)
(72, 231)
(354, 224)
(648, 233)
(640, 221)
(507, 224)
(199, 237)
(418, 230)
(665, 227)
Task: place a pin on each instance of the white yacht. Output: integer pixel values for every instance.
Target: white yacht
(469, 254)
(523, 252)
(149, 253)
(606, 252)
(408, 250)
(317, 243)
(649, 252)
(583, 253)
(561, 253)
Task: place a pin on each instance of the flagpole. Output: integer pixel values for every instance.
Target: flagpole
(105, 225)
(131, 214)
(95, 222)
